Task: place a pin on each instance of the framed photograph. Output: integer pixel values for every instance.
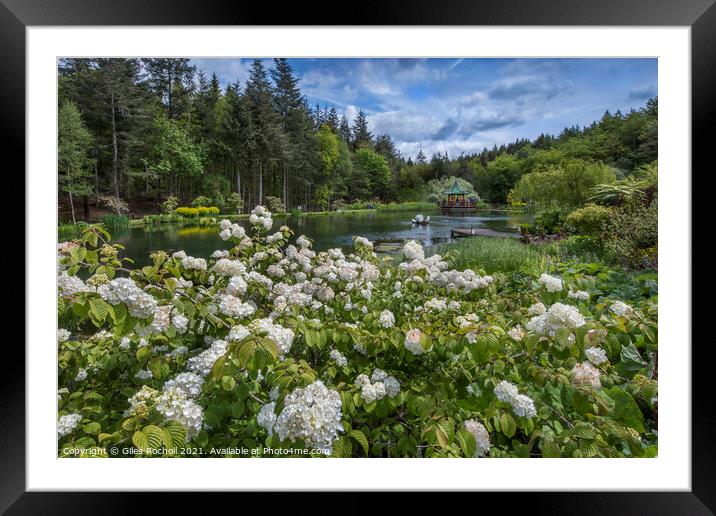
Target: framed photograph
(382, 257)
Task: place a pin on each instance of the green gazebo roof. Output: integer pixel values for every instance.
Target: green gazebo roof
(455, 190)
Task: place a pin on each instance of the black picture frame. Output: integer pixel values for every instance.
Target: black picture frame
(700, 15)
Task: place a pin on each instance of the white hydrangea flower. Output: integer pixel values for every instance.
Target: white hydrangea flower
(283, 337)
(621, 308)
(412, 342)
(387, 319)
(364, 242)
(522, 405)
(392, 386)
(596, 355)
(313, 415)
(124, 290)
(144, 374)
(516, 332)
(581, 295)
(71, 285)
(189, 383)
(585, 373)
(180, 322)
(63, 335)
(81, 375)
(234, 307)
(266, 417)
(481, 435)
(191, 263)
(227, 267)
(338, 358)
(551, 283)
(67, 424)
(303, 242)
(175, 405)
(537, 309)
(558, 316)
(412, 250)
(204, 361)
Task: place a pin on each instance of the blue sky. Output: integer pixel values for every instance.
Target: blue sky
(463, 105)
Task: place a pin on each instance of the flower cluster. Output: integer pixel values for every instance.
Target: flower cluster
(521, 405)
(379, 385)
(581, 295)
(551, 283)
(585, 373)
(558, 316)
(67, 423)
(596, 355)
(174, 404)
(387, 319)
(312, 414)
(260, 216)
(124, 290)
(338, 358)
(621, 308)
(412, 342)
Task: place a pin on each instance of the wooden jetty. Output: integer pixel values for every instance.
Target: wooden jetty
(470, 232)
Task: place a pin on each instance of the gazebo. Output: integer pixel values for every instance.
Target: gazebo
(456, 198)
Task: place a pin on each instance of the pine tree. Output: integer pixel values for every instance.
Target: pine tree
(344, 130)
(361, 135)
(263, 127)
(169, 78)
(420, 159)
(73, 146)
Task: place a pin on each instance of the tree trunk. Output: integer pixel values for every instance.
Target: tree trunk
(72, 207)
(96, 182)
(86, 208)
(115, 179)
(261, 182)
(285, 187)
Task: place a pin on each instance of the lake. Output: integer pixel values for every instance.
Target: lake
(326, 231)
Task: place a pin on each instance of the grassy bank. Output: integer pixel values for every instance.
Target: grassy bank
(495, 254)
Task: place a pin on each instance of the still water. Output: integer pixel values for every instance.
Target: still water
(326, 231)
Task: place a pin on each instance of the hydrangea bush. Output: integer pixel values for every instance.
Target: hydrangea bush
(271, 346)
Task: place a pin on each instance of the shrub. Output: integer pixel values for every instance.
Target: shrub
(548, 222)
(339, 205)
(588, 220)
(200, 211)
(117, 205)
(201, 201)
(170, 204)
(410, 360)
(235, 203)
(275, 205)
(631, 237)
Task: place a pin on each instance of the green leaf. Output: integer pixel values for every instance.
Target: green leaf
(508, 424)
(626, 411)
(92, 428)
(174, 434)
(360, 438)
(467, 442)
(154, 435)
(342, 447)
(140, 440)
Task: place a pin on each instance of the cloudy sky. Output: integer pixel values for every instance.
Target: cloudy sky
(464, 105)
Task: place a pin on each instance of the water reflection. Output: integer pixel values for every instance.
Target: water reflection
(334, 230)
